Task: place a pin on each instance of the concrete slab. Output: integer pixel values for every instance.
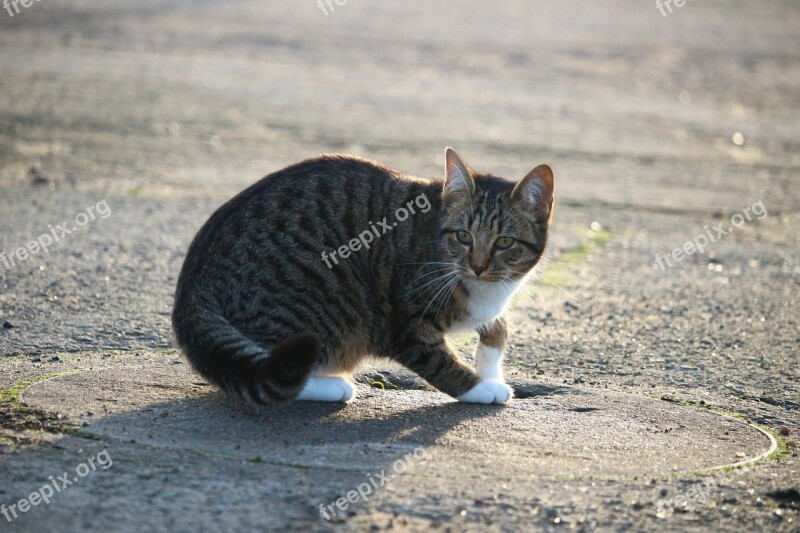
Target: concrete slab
(556, 433)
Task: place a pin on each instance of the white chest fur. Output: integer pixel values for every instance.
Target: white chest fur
(487, 301)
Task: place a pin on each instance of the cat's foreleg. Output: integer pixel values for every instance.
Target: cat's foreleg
(436, 362)
(489, 353)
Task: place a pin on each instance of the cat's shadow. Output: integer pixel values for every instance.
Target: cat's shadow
(379, 426)
(335, 445)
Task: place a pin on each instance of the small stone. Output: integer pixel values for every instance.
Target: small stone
(7, 325)
(783, 430)
(36, 176)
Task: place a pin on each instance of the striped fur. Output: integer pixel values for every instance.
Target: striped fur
(257, 311)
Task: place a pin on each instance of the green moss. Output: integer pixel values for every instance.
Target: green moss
(11, 396)
(781, 451)
(783, 446)
(78, 432)
(558, 273)
(698, 405)
(556, 276)
(18, 416)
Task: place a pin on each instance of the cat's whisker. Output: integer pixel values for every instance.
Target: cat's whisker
(445, 264)
(430, 263)
(446, 298)
(438, 288)
(431, 272)
(435, 296)
(427, 286)
(538, 301)
(448, 267)
(565, 291)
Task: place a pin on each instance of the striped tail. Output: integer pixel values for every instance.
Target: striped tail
(218, 351)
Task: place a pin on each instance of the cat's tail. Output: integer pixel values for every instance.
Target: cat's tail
(225, 356)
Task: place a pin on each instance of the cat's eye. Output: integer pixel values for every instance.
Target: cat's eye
(504, 243)
(464, 237)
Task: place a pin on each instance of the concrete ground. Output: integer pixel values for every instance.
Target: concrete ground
(651, 395)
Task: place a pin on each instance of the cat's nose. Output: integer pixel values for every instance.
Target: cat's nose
(479, 266)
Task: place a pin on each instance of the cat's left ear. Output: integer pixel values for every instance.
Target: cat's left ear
(537, 188)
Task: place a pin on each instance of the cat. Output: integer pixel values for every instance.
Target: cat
(281, 296)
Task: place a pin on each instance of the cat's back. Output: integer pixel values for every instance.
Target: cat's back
(324, 199)
(326, 177)
(329, 188)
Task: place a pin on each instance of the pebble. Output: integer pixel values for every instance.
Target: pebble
(7, 325)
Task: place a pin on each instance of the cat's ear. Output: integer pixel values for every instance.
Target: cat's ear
(457, 174)
(537, 188)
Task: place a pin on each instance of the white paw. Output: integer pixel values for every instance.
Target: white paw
(327, 389)
(488, 392)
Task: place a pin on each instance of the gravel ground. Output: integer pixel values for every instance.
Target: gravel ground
(659, 128)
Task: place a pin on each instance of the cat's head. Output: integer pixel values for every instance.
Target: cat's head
(494, 229)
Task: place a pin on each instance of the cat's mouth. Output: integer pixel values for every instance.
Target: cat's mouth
(484, 278)
(500, 277)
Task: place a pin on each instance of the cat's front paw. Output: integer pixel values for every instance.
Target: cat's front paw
(488, 392)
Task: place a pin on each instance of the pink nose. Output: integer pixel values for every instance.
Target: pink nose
(479, 267)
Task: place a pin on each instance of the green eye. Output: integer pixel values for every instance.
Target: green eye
(504, 243)
(464, 237)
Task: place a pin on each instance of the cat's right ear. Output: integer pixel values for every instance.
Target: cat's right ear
(457, 174)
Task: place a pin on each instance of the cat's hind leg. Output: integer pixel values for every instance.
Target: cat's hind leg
(327, 389)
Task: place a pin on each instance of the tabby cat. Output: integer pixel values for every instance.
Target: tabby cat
(282, 294)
